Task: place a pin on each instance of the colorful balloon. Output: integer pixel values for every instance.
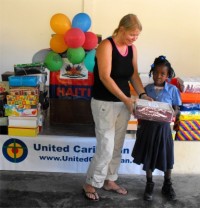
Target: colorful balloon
(89, 60)
(81, 21)
(91, 41)
(53, 61)
(60, 23)
(76, 55)
(40, 55)
(74, 38)
(57, 43)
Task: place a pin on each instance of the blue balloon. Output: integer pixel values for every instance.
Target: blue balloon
(81, 21)
(89, 60)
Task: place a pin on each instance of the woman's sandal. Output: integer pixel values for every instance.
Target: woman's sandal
(119, 190)
(87, 193)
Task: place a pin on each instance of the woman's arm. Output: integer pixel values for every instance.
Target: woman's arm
(135, 79)
(104, 60)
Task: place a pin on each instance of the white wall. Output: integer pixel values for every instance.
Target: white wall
(170, 28)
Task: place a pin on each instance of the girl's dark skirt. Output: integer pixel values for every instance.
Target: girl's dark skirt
(154, 146)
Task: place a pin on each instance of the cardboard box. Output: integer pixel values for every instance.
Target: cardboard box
(23, 122)
(28, 132)
(153, 110)
(188, 135)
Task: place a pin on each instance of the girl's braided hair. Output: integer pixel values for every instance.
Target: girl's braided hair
(161, 60)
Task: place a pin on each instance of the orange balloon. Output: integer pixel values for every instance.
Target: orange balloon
(60, 23)
(57, 43)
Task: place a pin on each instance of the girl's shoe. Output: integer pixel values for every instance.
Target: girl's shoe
(168, 191)
(148, 191)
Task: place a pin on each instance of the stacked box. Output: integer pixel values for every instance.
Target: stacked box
(23, 107)
(188, 135)
(153, 110)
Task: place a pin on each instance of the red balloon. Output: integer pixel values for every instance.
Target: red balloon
(91, 41)
(74, 38)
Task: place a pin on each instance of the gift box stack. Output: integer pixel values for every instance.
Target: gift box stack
(23, 107)
(189, 119)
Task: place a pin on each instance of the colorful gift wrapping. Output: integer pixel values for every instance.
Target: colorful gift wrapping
(24, 110)
(193, 125)
(23, 81)
(22, 99)
(188, 135)
(189, 84)
(24, 91)
(29, 132)
(190, 107)
(153, 110)
(190, 97)
(189, 115)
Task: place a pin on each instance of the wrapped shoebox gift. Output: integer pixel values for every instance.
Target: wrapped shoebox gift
(189, 84)
(190, 107)
(153, 110)
(24, 91)
(30, 68)
(4, 87)
(132, 123)
(28, 132)
(190, 97)
(193, 125)
(23, 122)
(188, 135)
(22, 99)
(25, 81)
(189, 115)
(25, 110)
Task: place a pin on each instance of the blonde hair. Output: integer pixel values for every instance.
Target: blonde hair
(129, 22)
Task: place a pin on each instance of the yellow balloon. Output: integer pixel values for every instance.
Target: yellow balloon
(60, 23)
(57, 43)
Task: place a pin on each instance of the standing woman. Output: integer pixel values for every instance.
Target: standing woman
(115, 66)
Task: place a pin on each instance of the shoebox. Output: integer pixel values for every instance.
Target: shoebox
(7, 74)
(28, 132)
(24, 91)
(153, 110)
(22, 99)
(190, 97)
(21, 110)
(189, 115)
(25, 81)
(189, 84)
(70, 111)
(23, 122)
(132, 123)
(188, 135)
(193, 125)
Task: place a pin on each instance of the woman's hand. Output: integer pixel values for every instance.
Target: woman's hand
(129, 102)
(146, 97)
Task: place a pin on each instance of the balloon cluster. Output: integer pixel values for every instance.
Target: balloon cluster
(72, 39)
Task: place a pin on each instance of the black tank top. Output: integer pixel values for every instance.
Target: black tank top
(121, 72)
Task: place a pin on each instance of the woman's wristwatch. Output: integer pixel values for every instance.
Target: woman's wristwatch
(143, 93)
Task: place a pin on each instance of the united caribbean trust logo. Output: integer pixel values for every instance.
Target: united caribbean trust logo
(14, 150)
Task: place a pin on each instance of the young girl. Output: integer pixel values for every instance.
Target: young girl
(154, 146)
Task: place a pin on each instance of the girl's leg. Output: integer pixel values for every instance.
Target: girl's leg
(167, 188)
(149, 186)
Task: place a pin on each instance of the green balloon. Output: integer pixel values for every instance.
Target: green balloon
(53, 61)
(76, 55)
